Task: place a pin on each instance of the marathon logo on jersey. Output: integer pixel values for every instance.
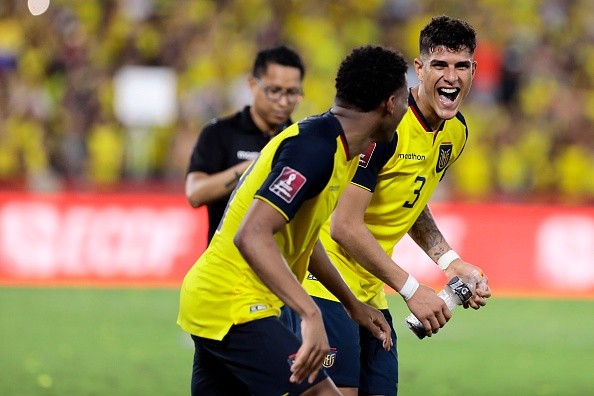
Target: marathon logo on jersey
(288, 184)
(311, 277)
(443, 158)
(365, 156)
(247, 155)
(330, 358)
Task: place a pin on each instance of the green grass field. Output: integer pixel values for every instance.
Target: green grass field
(125, 342)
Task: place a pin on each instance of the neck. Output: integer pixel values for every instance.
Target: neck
(357, 127)
(261, 124)
(432, 119)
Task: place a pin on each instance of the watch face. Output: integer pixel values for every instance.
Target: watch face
(461, 289)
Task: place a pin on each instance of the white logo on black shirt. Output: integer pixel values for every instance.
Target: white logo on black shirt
(247, 155)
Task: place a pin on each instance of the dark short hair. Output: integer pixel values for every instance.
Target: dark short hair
(369, 75)
(280, 55)
(451, 33)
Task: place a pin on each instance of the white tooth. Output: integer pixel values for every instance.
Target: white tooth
(449, 90)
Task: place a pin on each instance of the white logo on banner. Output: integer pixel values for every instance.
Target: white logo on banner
(564, 251)
(39, 240)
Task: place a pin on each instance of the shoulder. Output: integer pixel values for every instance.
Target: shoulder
(459, 123)
(319, 133)
(219, 129)
(372, 161)
(311, 143)
(228, 122)
(461, 119)
(380, 153)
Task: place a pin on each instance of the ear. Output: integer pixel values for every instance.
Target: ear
(418, 63)
(474, 65)
(252, 85)
(391, 104)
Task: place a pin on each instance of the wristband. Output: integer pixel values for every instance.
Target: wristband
(446, 259)
(410, 287)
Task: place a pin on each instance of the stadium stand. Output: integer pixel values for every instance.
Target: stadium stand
(530, 113)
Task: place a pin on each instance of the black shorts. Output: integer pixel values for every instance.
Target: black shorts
(357, 359)
(254, 358)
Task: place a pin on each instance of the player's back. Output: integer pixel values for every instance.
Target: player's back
(301, 173)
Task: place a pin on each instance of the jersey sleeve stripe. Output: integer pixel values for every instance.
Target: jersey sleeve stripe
(273, 205)
(361, 186)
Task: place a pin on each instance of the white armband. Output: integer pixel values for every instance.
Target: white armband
(410, 287)
(446, 259)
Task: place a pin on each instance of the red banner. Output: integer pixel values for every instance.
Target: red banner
(523, 249)
(98, 239)
(152, 240)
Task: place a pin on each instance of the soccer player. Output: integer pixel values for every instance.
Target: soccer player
(227, 146)
(387, 198)
(231, 298)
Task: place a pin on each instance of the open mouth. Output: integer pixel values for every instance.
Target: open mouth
(448, 94)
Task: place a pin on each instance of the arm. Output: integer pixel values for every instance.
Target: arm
(202, 188)
(255, 240)
(426, 234)
(349, 230)
(322, 268)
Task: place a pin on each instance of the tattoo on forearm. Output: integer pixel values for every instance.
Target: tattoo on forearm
(233, 182)
(426, 234)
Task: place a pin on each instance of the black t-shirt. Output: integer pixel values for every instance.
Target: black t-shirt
(223, 143)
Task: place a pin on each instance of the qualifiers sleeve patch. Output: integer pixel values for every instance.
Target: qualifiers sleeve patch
(365, 156)
(288, 184)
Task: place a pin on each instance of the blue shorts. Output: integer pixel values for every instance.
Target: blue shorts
(357, 359)
(254, 358)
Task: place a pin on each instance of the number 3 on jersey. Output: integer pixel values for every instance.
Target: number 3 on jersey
(417, 192)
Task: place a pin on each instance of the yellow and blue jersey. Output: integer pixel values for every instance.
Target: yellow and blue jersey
(402, 175)
(301, 173)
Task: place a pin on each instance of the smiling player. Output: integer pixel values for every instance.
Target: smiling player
(387, 198)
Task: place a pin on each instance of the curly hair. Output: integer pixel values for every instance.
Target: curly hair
(369, 75)
(451, 33)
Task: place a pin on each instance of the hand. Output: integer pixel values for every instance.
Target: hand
(314, 348)
(475, 277)
(374, 321)
(481, 290)
(429, 308)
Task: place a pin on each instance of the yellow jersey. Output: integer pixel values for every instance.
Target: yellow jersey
(402, 175)
(301, 172)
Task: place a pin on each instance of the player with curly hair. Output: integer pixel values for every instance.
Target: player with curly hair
(267, 241)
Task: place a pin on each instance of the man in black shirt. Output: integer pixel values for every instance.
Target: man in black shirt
(227, 146)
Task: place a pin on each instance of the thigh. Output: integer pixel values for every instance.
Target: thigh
(342, 363)
(289, 318)
(210, 377)
(379, 368)
(259, 354)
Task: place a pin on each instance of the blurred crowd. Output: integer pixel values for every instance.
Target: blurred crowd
(530, 113)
